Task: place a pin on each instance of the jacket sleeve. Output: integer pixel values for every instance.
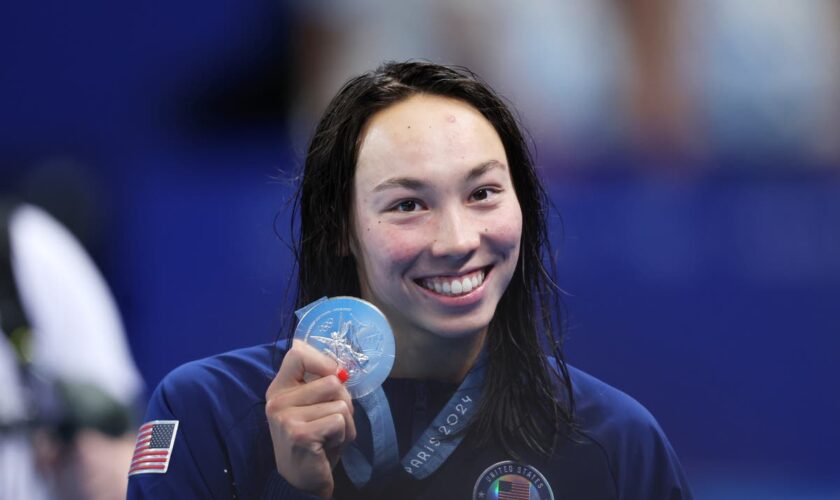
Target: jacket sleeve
(199, 464)
(194, 452)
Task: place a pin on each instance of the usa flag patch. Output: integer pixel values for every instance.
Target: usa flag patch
(153, 450)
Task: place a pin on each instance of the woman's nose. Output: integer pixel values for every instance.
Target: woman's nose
(456, 235)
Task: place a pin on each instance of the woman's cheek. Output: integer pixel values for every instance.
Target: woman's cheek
(506, 231)
(387, 246)
(398, 246)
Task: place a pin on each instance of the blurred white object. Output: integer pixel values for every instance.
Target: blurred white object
(77, 331)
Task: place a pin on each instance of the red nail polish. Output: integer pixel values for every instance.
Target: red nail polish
(343, 375)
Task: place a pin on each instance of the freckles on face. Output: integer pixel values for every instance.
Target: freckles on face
(389, 244)
(378, 240)
(381, 243)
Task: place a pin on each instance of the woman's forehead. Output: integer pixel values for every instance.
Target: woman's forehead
(426, 134)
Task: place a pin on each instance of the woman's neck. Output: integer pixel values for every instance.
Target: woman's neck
(430, 357)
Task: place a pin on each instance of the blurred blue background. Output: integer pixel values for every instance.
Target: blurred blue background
(691, 148)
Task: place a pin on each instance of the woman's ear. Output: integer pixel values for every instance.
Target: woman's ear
(348, 245)
(353, 247)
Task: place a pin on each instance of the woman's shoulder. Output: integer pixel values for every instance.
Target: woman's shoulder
(207, 419)
(639, 454)
(248, 361)
(602, 408)
(232, 380)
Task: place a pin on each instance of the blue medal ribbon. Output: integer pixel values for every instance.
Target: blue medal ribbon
(358, 467)
(434, 446)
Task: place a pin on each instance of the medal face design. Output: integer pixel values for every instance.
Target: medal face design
(356, 335)
(512, 480)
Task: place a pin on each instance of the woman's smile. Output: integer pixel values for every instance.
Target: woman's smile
(454, 286)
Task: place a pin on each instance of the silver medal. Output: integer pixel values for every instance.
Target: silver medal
(355, 334)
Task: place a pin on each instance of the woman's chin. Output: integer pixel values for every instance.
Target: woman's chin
(458, 330)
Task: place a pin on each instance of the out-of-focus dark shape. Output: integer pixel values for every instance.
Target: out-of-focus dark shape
(250, 88)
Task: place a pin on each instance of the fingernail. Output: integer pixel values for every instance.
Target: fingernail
(343, 375)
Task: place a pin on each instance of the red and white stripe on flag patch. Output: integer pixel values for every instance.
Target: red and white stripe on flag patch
(154, 447)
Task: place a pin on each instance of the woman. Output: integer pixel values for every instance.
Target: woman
(418, 195)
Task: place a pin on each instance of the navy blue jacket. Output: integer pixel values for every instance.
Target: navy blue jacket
(223, 448)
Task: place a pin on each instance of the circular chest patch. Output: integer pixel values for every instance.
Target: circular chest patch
(511, 480)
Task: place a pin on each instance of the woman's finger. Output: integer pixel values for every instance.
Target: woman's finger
(311, 413)
(300, 360)
(329, 388)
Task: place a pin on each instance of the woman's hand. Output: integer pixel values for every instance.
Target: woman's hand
(310, 415)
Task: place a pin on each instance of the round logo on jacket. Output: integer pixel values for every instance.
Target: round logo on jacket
(511, 480)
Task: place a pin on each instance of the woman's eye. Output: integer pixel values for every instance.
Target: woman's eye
(407, 206)
(483, 194)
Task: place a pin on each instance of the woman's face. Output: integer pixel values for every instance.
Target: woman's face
(436, 221)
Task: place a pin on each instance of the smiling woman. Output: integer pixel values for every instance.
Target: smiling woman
(418, 195)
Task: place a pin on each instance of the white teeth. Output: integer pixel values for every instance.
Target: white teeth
(458, 286)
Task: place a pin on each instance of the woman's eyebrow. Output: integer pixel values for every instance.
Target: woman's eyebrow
(400, 182)
(483, 168)
(416, 184)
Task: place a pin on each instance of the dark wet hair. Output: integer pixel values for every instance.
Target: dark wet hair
(522, 404)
